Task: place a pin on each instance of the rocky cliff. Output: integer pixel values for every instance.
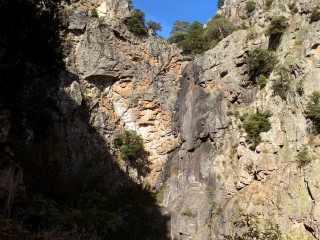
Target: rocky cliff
(128, 82)
(188, 114)
(214, 181)
(208, 179)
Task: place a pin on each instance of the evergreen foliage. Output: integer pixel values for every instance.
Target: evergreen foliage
(315, 15)
(313, 110)
(130, 145)
(262, 81)
(303, 157)
(154, 26)
(281, 87)
(217, 29)
(188, 37)
(136, 23)
(255, 124)
(251, 229)
(194, 39)
(250, 6)
(277, 26)
(275, 31)
(261, 62)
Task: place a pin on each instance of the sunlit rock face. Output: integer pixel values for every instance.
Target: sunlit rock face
(128, 82)
(189, 116)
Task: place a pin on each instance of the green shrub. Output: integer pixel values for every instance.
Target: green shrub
(313, 110)
(277, 26)
(135, 23)
(250, 6)
(194, 42)
(154, 26)
(94, 12)
(293, 8)
(315, 15)
(250, 228)
(262, 81)
(130, 145)
(275, 31)
(281, 87)
(303, 157)
(187, 212)
(268, 5)
(217, 29)
(255, 124)
(194, 39)
(261, 62)
(188, 37)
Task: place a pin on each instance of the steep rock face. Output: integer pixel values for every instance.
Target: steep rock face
(214, 161)
(188, 115)
(126, 81)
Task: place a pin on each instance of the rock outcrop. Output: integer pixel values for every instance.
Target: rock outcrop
(188, 114)
(214, 161)
(127, 82)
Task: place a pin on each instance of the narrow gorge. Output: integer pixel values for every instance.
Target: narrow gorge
(230, 149)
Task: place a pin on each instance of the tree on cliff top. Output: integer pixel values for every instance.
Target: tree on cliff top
(136, 23)
(154, 26)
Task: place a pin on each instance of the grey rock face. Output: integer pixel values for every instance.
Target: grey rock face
(214, 161)
(188, 114)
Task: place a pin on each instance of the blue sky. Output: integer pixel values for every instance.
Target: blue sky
(167, 11)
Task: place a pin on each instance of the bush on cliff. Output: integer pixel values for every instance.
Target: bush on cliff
(250, 6)
(261, 61)
(194, 38)
(217, 29)
(315, 15)
(275, 31)
(136, 23)
(313, 110)
(254, 124)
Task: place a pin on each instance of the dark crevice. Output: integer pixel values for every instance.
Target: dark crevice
(117, 35)
(308, 189)
(224, 73)
(310, 230)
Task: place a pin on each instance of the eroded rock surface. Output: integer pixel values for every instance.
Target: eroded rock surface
(188, 114)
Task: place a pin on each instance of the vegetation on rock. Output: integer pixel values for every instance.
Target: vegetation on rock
(275, 31)
(189, 37)
(254, 124)
(194, 38)
(315, 15)
(154, 26)
(277, 26)
(250, 6)
(217, 29)
(261, 62)
(303, 157)
(136, 23)
(131, 149)
(94, 13)
(262, 81)
(281, 86)
(251, 229)
(268, 4)
(313, 110)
